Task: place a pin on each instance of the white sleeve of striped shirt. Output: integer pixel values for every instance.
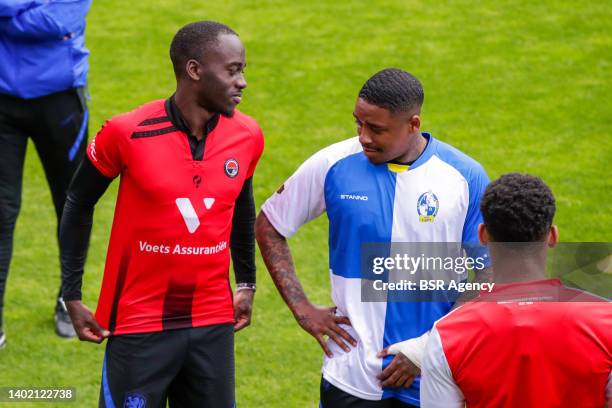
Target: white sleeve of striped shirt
(438, 388)
(302, 197)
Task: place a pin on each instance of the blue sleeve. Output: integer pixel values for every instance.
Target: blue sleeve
(57, 19)
(10, 8)
(477, 183)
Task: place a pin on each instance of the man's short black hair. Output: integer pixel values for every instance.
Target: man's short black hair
(518, 208)
(192, 41)
(393, 89)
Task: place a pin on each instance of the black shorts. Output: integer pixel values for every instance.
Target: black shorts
(334, 397)
(186, 367)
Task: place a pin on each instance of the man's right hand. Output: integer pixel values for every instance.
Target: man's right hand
(84, 322)
(322, 321)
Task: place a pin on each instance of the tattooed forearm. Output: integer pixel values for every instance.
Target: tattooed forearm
(277, 257)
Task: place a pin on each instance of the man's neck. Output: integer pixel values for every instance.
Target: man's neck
(513, 266)
(416, 148)
(195, 116)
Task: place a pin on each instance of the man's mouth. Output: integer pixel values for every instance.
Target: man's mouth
(237, 98)
(369, 149)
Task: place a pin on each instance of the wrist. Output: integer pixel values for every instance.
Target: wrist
(246, 286)
(301, 308)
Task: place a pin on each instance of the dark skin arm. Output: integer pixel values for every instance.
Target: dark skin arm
(316, 320)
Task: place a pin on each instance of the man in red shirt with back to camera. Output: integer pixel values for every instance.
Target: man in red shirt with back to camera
(531, 342)
(185, 202)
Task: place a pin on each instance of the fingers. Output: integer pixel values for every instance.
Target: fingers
(403, 381)
(394, 379)
(89, 332)
(383, 353)
(344, 334)
(323, 345)
(88, 329)
(388, 371)
(99, 329)
(332, 310)
(393, 376)
(399, 373)
(241, 323)
(338, 340)
(342, 320)
(408, 382)
(321, 322)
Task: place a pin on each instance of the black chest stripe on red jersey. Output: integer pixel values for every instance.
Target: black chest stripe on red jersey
(154, 121)
(151, 133)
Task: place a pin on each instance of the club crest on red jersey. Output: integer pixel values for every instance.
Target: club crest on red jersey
(231, 168)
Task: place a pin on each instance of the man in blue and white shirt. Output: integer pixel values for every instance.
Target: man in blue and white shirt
(390, 184)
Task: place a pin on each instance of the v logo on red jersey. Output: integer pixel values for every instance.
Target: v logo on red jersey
(189, 214)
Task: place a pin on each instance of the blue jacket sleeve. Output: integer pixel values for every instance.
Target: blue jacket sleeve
(10, 8)
(56, 19)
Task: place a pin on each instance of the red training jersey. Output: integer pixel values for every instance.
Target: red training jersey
(510, 349)
(168, 256)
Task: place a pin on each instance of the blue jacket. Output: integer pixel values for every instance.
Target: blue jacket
(42, 46)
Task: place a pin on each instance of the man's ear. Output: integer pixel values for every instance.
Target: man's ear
(415, 123)
(553, 236)
(193, 70)
(483, 235)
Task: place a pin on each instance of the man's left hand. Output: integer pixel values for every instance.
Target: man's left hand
(400, 373)
(243, 306)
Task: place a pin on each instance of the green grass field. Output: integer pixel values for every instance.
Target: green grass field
(518, 85)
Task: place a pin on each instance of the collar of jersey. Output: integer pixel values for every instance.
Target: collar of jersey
(177, 119)
(425, 155)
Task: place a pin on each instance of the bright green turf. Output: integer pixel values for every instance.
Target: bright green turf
(519, 86)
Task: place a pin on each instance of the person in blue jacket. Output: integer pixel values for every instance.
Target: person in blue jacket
(43, 73)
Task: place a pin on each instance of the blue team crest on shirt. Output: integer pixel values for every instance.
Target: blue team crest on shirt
(133, 400)
(427, 207)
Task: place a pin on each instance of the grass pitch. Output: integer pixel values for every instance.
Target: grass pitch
(518, 85)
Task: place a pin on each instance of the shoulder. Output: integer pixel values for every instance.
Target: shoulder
(246, 122)
(466, 319)
(470, 170)
(320, 163)
(333, 153)
(126, 123)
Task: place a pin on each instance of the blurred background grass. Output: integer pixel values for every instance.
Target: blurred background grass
(518, 85)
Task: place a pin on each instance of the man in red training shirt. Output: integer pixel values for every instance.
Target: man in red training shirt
(531, 342)
(185, 202)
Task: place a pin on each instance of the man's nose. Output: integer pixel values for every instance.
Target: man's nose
(364, 137)
(241, 83)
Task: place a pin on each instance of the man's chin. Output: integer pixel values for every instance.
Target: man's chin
(374, 158)
(228, 113)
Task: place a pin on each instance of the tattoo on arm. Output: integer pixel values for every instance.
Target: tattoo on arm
(277, 257)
